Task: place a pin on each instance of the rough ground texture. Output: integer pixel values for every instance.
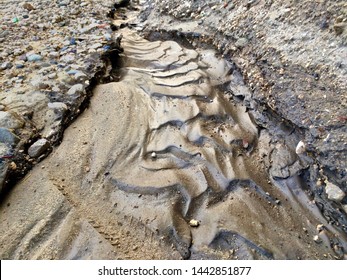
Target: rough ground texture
(292, 55)
(49, 60)
(185, 152)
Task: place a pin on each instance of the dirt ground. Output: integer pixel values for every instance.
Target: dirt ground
(222, 136)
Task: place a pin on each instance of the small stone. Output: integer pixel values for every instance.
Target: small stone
(52, 75)
(344, 207)
(76, 89)
(28, 6)
(80, 76)
(194, 223)
(241, 43)
(38, 148)
(317, 239)
(339, 28)
(34, 57)
(13, 165)
(87, 169)
(334, 192)
(320, 227)
(153, 155)
(300, 148)
(6, 65)
(59, 106)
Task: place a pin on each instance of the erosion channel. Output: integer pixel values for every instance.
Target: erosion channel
(165, 163)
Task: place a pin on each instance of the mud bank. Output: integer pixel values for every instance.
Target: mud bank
(174, 158)
(164, 164)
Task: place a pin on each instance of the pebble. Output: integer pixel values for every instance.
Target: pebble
(28, 6)
(317, 239)
(300, 148)
(34, 57)
(76, 89)
(334, 192)
(194, 223)
(344, 207)
(38, 148)
(6, 65)
(153, 155)
(52, 75)
(320, 227)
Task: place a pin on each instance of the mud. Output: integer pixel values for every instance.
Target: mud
(169, 162)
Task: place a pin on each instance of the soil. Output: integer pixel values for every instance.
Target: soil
(199, 142)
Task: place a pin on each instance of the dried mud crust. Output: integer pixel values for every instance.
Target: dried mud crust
(292, 55)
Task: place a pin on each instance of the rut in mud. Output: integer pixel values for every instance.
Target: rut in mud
(163, 164)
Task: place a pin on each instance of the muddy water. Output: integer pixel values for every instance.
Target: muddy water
(160, 148)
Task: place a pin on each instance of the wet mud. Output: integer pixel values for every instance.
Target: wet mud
(166, 164)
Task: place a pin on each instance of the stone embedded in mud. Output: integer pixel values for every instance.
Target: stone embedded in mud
(38, 148)
(334, 192)
(317, 239)
(300, 148)
(194, 223)
(76, 89)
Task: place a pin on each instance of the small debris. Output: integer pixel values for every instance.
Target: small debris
(13, 165)
(194, 223)
(300, 148)
(317, 239)
(320, 227)
(153, 155)
(334, 192)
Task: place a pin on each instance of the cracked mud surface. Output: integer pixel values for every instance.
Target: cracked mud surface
(166, 163)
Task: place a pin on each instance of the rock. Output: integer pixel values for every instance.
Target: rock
(8, 120)
(8, 137)
(59, 106)
(80, 76)
(68, 58)
(153, 155)
(38, 148)
(334, 192)
(52, 75)
(77, 89)
(6, 65)
(28, 6)
(320, 227)
(317, 239)
(285, 163)
(241, 43)
(344, 207)
(34, 57)
(300, 148)
(194, 223)
(339, 27)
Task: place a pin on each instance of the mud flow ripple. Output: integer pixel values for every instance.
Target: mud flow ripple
(163, 154)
